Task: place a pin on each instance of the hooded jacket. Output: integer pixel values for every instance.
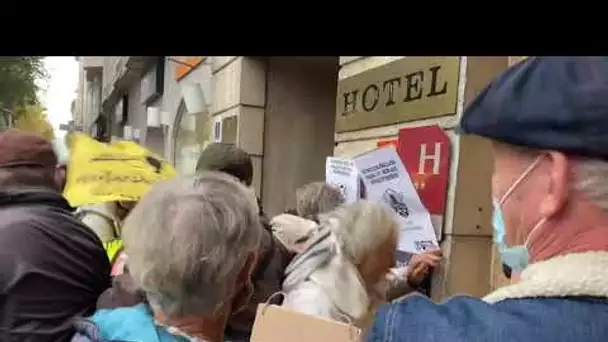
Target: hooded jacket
(321, 282)
(292, 230)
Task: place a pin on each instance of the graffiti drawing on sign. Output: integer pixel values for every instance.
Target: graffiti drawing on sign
(396, 201)
(343, 189)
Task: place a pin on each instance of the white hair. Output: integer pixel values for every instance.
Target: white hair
(360, 228)
(589, 176)
(317, 198)
(591, 179)
(188, 239)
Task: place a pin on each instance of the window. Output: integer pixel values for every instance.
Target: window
(192, 134)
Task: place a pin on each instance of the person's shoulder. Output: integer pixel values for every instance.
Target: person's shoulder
(417, 318)
(134, 323)
(39, 233)
(310, 299)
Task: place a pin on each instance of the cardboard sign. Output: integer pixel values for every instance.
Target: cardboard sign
(387, 181)
(277, 324)
(342, 174)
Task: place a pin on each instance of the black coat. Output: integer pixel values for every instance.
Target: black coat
(52, 267)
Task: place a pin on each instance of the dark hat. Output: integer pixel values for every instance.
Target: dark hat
(226, 158)
(551, 103)
(20, 148)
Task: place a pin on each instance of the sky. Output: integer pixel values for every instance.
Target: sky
(60, 90)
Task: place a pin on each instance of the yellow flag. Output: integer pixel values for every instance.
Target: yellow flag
(119, 171)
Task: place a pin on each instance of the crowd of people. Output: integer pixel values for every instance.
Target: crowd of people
(193, 258)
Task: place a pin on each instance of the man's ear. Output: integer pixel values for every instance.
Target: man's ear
(557, 192)
(60, 177)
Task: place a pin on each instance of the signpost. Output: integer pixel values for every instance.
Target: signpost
(425, 152)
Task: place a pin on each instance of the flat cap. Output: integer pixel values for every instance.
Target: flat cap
(226, 158)
(21, 148)
(549, 103)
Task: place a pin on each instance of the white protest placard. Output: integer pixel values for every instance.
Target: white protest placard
(386, 181)
(342, 174)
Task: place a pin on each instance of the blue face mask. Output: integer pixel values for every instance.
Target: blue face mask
(515, 257)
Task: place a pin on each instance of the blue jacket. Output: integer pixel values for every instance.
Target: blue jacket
(134, 324)
(564, 299)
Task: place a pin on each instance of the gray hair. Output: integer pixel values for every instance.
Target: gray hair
(360, 228)
(317, 198)
(591, 179)
(589, 175)
(188, 240)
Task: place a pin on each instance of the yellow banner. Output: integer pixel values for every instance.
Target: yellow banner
(120, 171)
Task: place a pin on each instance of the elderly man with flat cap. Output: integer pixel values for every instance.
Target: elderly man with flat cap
(547, 118)
(52, 267)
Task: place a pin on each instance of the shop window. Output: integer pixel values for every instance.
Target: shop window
(192, 134)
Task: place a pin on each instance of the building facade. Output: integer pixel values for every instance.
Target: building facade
(290, 113)
(88, 99)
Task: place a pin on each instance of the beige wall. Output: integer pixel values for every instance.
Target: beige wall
(285, 109)
(238, 88)
(299, 128)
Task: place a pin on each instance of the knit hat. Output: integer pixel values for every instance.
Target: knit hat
(226, 158)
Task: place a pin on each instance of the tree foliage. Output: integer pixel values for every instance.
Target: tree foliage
(32, 118)
(19, 83)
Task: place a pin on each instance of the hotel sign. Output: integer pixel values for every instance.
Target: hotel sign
(408, 89)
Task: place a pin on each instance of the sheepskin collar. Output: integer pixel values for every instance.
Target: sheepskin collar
(579, 274)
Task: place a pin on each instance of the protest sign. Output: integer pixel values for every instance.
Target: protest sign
(386, 181)
(119, 171)
(342, 174)
(277, 324)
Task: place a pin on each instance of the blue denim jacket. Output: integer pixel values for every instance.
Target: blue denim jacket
(469, 319)
(564, 299)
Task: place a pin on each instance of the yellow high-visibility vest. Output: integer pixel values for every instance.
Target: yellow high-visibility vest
(113, 248)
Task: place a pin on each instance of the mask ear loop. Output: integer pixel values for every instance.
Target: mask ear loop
(534, 230)
(520, 179)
